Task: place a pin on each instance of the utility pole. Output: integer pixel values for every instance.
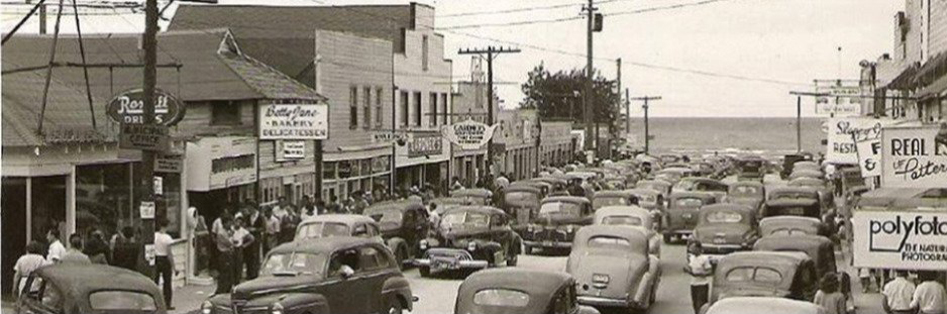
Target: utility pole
(647, 132)
(149, 45)
(42, 18)
(589, 72)
(490, 52)
(627, 113)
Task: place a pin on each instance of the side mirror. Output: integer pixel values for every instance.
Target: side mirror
(346, 271)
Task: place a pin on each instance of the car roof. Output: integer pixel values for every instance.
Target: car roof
(800, 242)
(80, 279)
(322, 245)
(703, 180)
(402, 206)
(746, 183)
(450, 200)
(489, 210)
(347, 219)
(691, 194)
(540, 285)
(636, 236)
(792, 189)
(635, 211)
(566, 199)
(613, 193)
(769, 305)
(480, 192)
(805, 181)
(728, 207)
(759, 258)
(550, 179)
(522, 187)
(643, 191)
(661, 182)
(783, 202)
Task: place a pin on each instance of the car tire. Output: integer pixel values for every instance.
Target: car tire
(394, 306)
(425, 271)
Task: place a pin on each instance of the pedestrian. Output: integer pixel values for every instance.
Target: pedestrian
(829, 297)
(929, 297)
(164, 261)
(288, 224)
(96, 248)
(700, 267)
(845, 287)
(201, 240)
(26, 264)
(433, 217)
(256, 226)
(225, 249)
(56, 249)
(333, 207)
(864, 276)
(272, 230)
(897, 295)
(279, 210)
(125, 249)
(243, 241)
(74, 253)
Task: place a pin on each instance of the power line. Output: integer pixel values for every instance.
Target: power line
(529, 9)
(663, 8)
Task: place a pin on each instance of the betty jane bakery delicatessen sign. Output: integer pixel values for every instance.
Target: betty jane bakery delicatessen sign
(914, 156)
(900, 239)
(294, 121)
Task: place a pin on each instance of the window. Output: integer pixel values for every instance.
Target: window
(224, 113)
(371, 258)
(404, 108)
(417, 108)
(501, 297)
(433, 113)
(379, 92)
(322, 230)
(424, 56)
(303, 263)
(724, 217)
(622, 220)
(367, 107)
(121, 300)
(444, 107)
(353, 107)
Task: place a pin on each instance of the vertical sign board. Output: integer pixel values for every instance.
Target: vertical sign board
(914, 156)
(845, 133)
(900, 239)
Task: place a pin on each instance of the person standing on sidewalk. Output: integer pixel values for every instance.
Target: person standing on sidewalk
(56, 249)
(26, 264)
(700, 267)
(930, 296)
(251, 252)
(225, 251)
(164, 261)
(897, 294)
(272, 230)
(829, 297)
(74, 253)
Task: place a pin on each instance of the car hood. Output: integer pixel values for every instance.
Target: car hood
(624, 272)
(272, 284)
(462, 231)
(732, 233)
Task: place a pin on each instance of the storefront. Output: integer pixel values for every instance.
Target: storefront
(421, 161)
(221, 174)
(344, 177)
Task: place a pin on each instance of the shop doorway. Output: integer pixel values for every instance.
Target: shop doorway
(13, 215)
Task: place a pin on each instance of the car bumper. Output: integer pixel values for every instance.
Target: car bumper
(447, 264)
(679, 232)
(548, 244)
(722, 248)
(608, 302)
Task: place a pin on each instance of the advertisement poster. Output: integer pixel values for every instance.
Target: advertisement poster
(290, 150)
(900, 239)
(839, 100)
(469, 134)
(914, 156)
(844, 133)
(294, 122)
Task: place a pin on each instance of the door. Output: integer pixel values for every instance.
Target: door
(343, 294)
(374, 268)
(13, 217)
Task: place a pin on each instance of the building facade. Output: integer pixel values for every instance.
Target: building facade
(469, 102)
(518, 134)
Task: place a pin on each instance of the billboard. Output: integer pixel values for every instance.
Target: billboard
(838, 99)
(900, 239)
(914, 156)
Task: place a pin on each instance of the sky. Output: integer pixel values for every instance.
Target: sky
(778, 45)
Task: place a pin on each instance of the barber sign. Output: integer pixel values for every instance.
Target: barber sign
(914, 156)
(900, 239)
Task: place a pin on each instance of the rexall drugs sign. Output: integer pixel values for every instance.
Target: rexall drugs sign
(900, 239)
(914, 157)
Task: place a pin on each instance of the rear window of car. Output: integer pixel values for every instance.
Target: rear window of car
(121, 300)
(689, 202)
(521, 198)
(746, 190)
(757, 274)
(724, 217)
(600, 202)
(622, 220)
(501, 297)
(322, 230)
(612, 242)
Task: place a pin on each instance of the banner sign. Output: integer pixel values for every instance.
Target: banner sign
(129, 108)
(900, 239)
(844, 133)
(290, 150)
(469, 134)
(839, 100)
(914, 157)
(424, 145)
(294, 122)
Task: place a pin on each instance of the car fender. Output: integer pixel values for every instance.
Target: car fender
(399, 286)
(395, 242)
(643, 290)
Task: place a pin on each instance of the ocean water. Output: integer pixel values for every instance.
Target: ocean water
(765, 136)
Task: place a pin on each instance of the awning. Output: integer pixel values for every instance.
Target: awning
(939, 87)
(905, 80)
(927, 72)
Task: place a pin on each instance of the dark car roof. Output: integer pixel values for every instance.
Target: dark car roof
(402, 206)
(806, 181)
(642, 191)
(802, 242)
(489, 210)
(703, 180)
(699, 195)
(477, 192)
(80, 279)
(347, 219)
(788, 202)
(792, 190)
(566, 199)
(747, 210)
(322, 245)
(522, 187)
(540, 285)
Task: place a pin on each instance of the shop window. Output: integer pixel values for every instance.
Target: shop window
(345, 169)
(225, 113)
(433, 113)
(329, 170)
(104, 199)
(353, 107)
(366, 166)
(379, 92)
(404, 108)
(367, 108)
(417, 108)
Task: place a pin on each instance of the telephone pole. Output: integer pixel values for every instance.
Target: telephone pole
(490, 53)
(627, 113)
(589, 72)
(647, 132)
(149, 47)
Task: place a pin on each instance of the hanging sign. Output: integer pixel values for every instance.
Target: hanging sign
(147, 210)
(421, 144)
(129, 108)
(469, 134)
(845, 133)
(839, 99)
(914, 156)
(144, 137)
(294, 122)
(290, 150)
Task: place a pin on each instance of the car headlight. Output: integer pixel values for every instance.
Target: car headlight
(472, 246)
(423, 244)
(276, 309)
(570, 228)
(207, 307)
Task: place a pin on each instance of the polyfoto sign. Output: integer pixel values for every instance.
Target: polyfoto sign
(900, 239)
(469, 134)
(845, 133)
(914, 157)
(294, 122)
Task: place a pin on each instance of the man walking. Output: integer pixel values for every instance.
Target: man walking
(897, 294)
(164, 260)
(74, 253)
(700, 268)
(930, 296)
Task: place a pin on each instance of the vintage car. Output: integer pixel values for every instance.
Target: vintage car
(826, 193)
(804, 173)
(328, 275)
(88, 288)
(519, 290)
(820, 249)
(808, 165)
(698, 184)
(791, 225)
(522, 203)
(789, 163)
(681, 215)
(469, 237)
(654, 202)
(544, 187)
(749, 193)
(338, 225)
(477, 196)
(751, 168)
(555, 225)
(632, 216)
(613, 268)
(661, 186)
(725, 228)
(788, 275)
(403, 225)
(613, 198)
(768, 305)
(559, 185)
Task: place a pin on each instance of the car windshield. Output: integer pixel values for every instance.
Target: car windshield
(686, 185)
(322, 230)
(609, 242)
(293, 264)
(745, 190)
(688, 202)
(724, 217)
(517, 198)
(110, 300)
(600, 202)
(501, 297)
(622, 220)
(755, 274)
(393, 216)
(560, 210)
(465, 218)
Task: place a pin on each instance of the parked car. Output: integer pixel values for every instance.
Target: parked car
(477, 196)
(820, 249)
(631, 216)
(768, 305)
(613, 198)
(403, 225)
(328, 275)
(73, 288)
(788, 275)
(698, 184)
(519, 290)
(725, 228)
(654, 202)
(522, 203)
(469, 237)
(682, 213)
(793, 207)
(613, 267)
(660, 186)
(751, 168)
(558, 184)
(556, 223)
(789, 162)
(826, 193)
(544, 187)
(445, 203)
(749, 193)
(338, 225)
(791, 225)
